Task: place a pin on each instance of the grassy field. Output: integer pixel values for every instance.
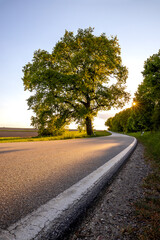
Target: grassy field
(65, 135)
(9, 130)
(148, 208)
(17, 129)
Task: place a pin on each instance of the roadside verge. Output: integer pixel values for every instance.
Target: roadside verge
(53, 218)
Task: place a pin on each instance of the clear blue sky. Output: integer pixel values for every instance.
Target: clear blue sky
(27, 25)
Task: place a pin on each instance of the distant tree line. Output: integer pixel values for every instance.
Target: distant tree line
(145, 111)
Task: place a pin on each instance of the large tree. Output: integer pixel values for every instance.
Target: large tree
(148, 94)
(151, 81)
(83, 75)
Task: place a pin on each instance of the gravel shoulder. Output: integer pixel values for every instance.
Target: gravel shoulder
(112, 212)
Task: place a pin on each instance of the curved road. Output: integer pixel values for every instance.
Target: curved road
(32, 173)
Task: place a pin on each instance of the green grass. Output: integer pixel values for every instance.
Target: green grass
(65, 135)
(151, 142)
(148, 208)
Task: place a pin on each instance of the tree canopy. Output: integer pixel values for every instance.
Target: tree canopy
(151, 84)
(83, 75)
(145, 115)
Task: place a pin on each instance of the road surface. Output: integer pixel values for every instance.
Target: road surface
(32, 173)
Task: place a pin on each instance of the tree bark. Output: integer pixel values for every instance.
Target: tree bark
(89, 129)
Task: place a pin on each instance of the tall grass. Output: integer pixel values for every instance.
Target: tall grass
(151, 142)
(148, 208)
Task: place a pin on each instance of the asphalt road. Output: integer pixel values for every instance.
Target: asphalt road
(32, 173)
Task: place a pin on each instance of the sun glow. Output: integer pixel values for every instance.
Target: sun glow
(134, 103)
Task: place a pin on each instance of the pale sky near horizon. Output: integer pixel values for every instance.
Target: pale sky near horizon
(29, 25)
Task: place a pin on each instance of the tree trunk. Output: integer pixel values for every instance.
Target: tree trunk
(89, 126)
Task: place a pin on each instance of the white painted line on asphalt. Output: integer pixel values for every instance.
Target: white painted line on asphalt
(36, 224)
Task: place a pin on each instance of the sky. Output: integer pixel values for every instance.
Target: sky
(29, 25)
